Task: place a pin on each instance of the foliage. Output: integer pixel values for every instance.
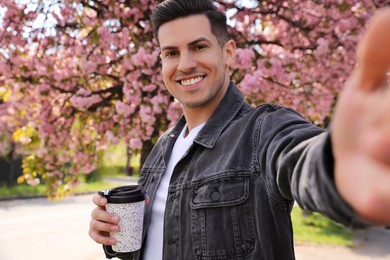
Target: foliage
(78, 75)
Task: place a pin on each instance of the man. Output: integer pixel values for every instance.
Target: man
(222, 182)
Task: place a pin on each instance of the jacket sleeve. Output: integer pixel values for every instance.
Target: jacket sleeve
(299, 161)
(124, 256)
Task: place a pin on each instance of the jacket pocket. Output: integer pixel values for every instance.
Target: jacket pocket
(222, 224)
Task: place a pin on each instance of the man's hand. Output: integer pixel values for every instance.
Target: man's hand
(361, 127)
(102, 222)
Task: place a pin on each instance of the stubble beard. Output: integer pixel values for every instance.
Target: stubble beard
(212, 93)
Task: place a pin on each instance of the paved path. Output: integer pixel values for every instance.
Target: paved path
(38, 229)
(371, 244)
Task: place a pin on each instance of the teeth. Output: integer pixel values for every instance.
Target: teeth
(189, 82)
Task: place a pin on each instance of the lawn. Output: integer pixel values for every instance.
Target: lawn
(315, 228)
(25, 190)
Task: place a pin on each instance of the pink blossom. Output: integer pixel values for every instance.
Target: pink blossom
(276, 68)
(143, 58)
(251, 82)
(124, 109)
(111, 137)
(174, 111)
(145, 114)
(33, 182)
(84, 103)
(47, 128)
(323, 46)
(87, 66)
(261, 37)
(24, 140)
(158, 102)
(149, 88)
(42, 89)
(244, 58)
(135, 143)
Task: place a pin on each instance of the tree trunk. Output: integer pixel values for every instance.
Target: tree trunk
(11, 168)
(146, 148)
(129, 168)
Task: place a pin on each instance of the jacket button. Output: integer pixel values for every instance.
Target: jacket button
(216, 196)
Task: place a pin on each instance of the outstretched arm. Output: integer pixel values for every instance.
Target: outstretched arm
(361, 127)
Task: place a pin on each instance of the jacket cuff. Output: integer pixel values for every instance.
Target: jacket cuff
(112, 254)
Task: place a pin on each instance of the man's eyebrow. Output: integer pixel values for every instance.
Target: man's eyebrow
(194, 42)
(168, 48)
(200, 39)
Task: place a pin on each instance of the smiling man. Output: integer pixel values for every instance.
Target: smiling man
(223, 181)
(195, 66)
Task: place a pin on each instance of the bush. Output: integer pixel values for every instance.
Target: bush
(101, 172)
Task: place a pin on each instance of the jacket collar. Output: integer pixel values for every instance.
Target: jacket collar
(221, 117)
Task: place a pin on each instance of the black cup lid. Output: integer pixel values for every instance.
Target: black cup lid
(124, 194)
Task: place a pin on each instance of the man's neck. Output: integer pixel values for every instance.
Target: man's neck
(199, 115)
(195, 117)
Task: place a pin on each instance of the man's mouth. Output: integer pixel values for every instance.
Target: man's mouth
(189, 82)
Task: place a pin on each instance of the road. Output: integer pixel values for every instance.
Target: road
(38, 229)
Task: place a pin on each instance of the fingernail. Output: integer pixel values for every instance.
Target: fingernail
(114, 229)
(112, 241)
(115, 219)
(102, 201)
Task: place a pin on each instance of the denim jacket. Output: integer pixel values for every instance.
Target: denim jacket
(231, 194)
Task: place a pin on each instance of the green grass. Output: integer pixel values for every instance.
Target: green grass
(316, 228)
(24, 190)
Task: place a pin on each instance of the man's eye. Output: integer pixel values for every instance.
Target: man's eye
(200, 47)
(170, 53)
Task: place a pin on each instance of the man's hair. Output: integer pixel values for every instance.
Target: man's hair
(170, 10)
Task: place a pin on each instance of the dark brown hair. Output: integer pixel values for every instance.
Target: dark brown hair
(170, 10)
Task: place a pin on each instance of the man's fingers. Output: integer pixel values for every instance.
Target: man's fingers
(376, 143)
(101, 238)
(104, 216)
(102, 222)
(374, 51)
(99, 200)
(103, 227)
(375, 204)
(372, 180)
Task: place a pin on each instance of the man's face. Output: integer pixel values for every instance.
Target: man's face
(194, 66)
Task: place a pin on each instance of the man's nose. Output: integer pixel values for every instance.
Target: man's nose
(187, 62)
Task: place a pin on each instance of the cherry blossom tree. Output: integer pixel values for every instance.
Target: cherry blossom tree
(78, 75)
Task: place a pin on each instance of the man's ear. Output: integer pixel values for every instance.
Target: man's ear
(230, 50)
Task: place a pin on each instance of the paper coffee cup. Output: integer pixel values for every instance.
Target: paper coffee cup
(127, 202)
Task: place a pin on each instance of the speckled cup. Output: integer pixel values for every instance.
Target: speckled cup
(127, 202)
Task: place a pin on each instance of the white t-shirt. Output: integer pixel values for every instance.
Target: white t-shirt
(154, 239)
